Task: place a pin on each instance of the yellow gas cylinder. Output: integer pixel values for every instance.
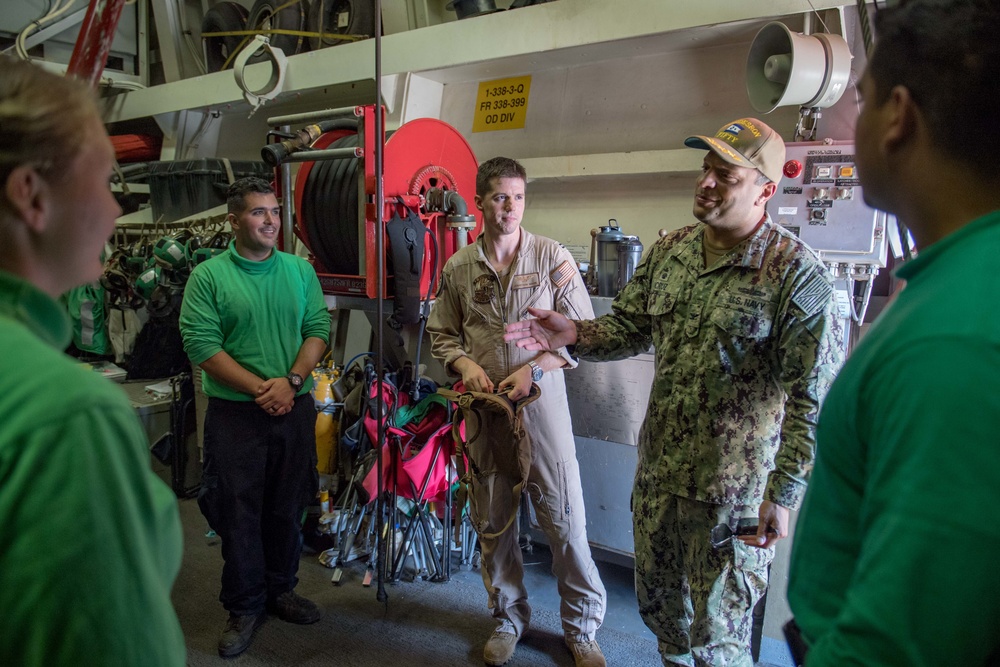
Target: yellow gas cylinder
(326, 424)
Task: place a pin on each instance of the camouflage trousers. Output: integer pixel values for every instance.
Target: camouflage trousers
(696, 599)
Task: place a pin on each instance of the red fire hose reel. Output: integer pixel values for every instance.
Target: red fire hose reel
(422, 159)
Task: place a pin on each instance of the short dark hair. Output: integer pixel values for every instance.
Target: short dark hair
(239, 189)
(498, 167)
(945, 52)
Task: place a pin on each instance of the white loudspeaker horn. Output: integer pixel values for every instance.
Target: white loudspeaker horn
(786, 68)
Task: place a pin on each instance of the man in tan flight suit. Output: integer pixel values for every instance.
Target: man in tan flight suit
(483, 287)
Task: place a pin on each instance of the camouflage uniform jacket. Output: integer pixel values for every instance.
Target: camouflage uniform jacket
(471, 310)
(745, 353)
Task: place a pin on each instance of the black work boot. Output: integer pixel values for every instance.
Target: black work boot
(292, 607)
(238, 634)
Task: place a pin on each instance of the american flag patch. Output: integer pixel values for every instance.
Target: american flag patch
(563, 273)
(813, 294)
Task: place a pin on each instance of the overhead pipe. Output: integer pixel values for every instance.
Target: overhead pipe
(325, 114)
(287, 221)
(94, 42)
(275, 154)
(323, 154)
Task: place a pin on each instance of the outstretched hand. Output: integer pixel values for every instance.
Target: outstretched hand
(548, 331)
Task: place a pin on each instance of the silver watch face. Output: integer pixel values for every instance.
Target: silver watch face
(536, 372)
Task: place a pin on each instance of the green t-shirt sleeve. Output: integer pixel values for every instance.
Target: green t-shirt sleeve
(200, 323)
(924, 590)
(316, 323)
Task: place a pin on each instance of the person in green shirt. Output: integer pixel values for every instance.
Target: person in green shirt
(90, 538)
(894, 559)
(255, 321)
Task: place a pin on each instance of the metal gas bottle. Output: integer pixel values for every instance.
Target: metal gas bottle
(607, 258)
(629, 254)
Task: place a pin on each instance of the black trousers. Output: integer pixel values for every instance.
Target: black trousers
(259, 475)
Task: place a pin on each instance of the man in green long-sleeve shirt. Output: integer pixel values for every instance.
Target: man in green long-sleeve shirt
(895, 554)
(90, 538)
(255, 321)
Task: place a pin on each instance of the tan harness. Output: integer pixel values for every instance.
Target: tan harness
(498, 451)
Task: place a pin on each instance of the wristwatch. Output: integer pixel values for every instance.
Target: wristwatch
(536, 371)
(295, 380)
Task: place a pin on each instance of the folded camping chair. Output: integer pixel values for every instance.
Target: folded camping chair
(416, 471)
(352, 535)
(493, 455)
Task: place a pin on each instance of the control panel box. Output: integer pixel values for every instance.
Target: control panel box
(819, 200)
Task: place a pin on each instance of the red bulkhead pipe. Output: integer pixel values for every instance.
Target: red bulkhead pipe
(94, 42)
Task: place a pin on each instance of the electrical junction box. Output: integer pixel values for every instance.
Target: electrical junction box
(819, 200)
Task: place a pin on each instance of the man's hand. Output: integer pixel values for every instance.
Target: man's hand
(548, 331)
(276, 396)
(474, 378)
(773, 526)
(519, 381)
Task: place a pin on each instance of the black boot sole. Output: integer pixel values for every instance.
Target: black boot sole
(237, 649)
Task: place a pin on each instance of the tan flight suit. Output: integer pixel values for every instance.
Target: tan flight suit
(468, 319)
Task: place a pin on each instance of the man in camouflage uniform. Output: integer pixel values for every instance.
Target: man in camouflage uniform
(483, 287)
(741, 316)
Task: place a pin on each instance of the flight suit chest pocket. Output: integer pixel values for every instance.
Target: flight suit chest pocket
(484, 301)
(529, 296)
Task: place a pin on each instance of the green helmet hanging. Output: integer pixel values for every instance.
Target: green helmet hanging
(169, 253)
(147, 282)
(191, 246)
(203, 253)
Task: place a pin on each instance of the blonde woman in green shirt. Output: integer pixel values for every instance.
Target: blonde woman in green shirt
(90, 538)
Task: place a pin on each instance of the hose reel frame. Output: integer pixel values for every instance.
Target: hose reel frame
(422, 154)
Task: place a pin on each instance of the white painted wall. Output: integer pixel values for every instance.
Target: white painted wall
(624, 104)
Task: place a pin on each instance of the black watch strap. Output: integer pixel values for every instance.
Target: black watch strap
(295, 380)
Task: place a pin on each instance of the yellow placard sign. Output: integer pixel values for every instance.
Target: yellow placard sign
(501, 104)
